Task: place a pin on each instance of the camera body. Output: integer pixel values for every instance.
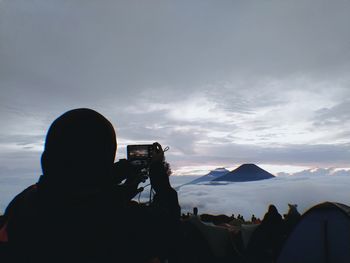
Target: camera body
(139, 155)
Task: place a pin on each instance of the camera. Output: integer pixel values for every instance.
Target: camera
(140, 155)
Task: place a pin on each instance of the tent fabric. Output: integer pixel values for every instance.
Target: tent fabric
(322, 235)
(218, 238)
(247, 232)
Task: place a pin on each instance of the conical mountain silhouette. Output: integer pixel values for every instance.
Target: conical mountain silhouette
(244, 173)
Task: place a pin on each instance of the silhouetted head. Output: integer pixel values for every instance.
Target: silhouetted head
(79, 150)
(272, 209)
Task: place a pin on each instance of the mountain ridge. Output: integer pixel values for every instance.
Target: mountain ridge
(216, 173)
(245, 173)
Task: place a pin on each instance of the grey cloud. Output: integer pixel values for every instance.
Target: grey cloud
(70, 54)
(243, 56)
(26, 159)
(246, 95)
(336, 115)
(307, 155)
(320, 172)
(126, 47)
(21, 140)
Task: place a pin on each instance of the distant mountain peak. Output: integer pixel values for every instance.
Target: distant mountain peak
(247, 165)
(244, 173)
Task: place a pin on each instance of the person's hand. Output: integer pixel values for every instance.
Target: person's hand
(157, 154)
(159, 175)
(120, 171)
(123, 170)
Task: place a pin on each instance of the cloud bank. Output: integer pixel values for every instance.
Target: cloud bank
(254, 197)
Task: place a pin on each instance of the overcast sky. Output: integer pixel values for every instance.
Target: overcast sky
(221, 82)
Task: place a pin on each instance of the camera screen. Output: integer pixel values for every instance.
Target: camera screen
(137, 152)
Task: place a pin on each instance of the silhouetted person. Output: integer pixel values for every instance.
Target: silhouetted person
(272, 217)
(240, 217)
(79, 212)
(195, 211)
(292, 218)
(253, 219)
(267, 238)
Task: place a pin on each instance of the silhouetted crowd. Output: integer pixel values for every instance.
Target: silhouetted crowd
(82, 209)
(253, 240)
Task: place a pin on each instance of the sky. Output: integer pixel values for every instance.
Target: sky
(220, 82)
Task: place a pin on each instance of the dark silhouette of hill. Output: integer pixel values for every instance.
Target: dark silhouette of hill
(218, 172)
(245, 173)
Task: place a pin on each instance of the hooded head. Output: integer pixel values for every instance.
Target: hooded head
(79, 150)
(272, 209)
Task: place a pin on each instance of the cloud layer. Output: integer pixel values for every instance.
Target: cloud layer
(305, 188)
(221, 83)
(254, 197)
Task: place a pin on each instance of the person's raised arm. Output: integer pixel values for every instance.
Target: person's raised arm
(166, 196)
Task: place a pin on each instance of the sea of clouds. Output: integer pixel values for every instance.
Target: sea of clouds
(246, 198)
